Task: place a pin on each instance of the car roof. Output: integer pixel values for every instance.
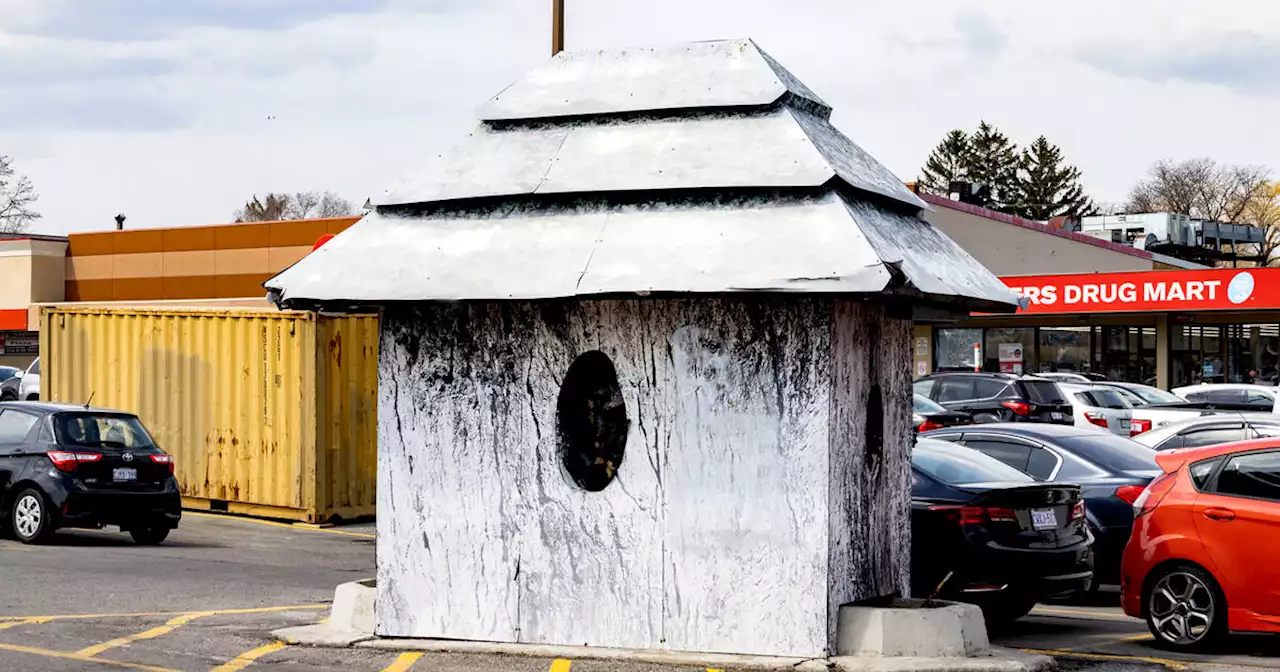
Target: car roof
(984, 374)
(1030, 430)
(51, 407)
(1172, 460)
(1227, 386)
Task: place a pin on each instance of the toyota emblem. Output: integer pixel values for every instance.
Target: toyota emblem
(127, 457)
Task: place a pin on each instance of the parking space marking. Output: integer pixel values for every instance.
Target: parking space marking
(14, 547)
(248, 657)
(1079, 613)
(173, 624)
(46, 653)
(289, 526)
(404, 662)
(1176, 665)
(561, 665)
(142, 614)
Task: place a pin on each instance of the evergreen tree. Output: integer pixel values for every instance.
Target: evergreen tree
(994, 162)
(1047, 186)
(949, 161)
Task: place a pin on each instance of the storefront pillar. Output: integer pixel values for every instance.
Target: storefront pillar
(1164, 358)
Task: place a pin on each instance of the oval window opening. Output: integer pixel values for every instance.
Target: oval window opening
(591, 419)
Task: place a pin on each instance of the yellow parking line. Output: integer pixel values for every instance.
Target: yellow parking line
(560, 665)
(30, 650)
(246, 659)
(1171, 664)
(272, 523)
(142, 614)
(404, 662)
(173, 624)
(14, 547)
(1078, 613)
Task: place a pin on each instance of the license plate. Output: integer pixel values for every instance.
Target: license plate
(1055, 415)
(1044, 519)
(1124, 424)
(123, 474)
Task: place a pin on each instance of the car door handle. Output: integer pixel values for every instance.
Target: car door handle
(1216, 513)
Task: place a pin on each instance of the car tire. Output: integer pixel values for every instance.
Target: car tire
(149, 536)
(1007, 609)
(8, 396)
(30, 517)
(1185, 609)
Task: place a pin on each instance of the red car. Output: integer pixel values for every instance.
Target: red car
(1204, 556)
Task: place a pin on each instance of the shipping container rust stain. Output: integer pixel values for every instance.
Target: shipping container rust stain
(259, 408)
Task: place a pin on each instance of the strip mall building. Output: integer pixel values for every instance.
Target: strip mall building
(1094, 305)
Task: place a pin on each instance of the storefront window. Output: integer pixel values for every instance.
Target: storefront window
(953, 348)
(1010, 350)
(1197, 355)
(1065, 349)
(1253, 353)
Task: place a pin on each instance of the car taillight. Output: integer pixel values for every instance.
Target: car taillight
(1020, 408)
(1137, 427)
(165, 460)
(67, 461)
(1129, 493)
(928, 425)
(976, 515)
(1095, 418)
(1152, 494)
(1077, 511)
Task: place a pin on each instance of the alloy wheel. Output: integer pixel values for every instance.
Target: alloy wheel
(1182, 609)
(27, 516)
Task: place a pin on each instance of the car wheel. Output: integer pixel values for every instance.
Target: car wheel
(1185, 609)
(149, 536)
(8, 396)
(30, 517)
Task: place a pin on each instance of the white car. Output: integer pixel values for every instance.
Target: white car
(29, 385)
(1099, 406)
(1262, 397)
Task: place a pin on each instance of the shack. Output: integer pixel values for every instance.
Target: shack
(644, 373)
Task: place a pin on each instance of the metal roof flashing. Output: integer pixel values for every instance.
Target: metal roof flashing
(572, 186)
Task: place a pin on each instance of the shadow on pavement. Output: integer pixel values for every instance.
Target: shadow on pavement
(109, 539)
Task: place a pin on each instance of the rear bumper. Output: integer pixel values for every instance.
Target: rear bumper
(126, 509)
(1042, 573)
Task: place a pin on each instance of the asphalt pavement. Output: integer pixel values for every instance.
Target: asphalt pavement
(207, 599)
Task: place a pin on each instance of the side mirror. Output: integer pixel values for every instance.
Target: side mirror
(19, 374)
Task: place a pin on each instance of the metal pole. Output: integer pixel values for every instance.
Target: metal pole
(557, 26)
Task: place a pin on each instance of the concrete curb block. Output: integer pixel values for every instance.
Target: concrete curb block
(351, 624)
(994, 660)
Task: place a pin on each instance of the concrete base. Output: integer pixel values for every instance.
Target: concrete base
(909, 628)
(941, 639)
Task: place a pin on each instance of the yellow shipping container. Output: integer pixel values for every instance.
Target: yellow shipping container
(266, 413)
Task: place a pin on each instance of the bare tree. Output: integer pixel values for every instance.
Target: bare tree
(16, 198)
(1200, 188)
(300, 205)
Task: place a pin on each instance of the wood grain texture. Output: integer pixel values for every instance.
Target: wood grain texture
(716, 533)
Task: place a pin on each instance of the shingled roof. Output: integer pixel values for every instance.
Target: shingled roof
(701, 168)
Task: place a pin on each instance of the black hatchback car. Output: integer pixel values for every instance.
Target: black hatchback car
(998, 397)
(1112, 471)
(985, 533)
(72, 466)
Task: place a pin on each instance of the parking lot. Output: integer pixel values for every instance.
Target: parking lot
(207, 599)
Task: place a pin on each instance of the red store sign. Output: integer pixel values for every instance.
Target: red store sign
(1154, 291)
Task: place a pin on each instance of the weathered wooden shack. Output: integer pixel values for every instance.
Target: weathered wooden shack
(645, 352)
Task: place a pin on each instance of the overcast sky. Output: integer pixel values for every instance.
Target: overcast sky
(175, 111)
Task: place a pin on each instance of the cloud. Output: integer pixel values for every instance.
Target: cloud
(120, 20)
(979, 32)
(1240, 61)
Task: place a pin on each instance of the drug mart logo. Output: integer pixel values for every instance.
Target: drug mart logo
(1240, 288)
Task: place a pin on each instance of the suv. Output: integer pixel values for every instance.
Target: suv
(998, 397)
(23, 385)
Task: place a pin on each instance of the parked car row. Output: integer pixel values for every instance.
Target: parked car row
(1185, 517)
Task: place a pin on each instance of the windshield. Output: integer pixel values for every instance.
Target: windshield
(98, 430)
(956, 465)
(1155, 395)
(925, 405)
(1112, 452)
(1043, 391)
